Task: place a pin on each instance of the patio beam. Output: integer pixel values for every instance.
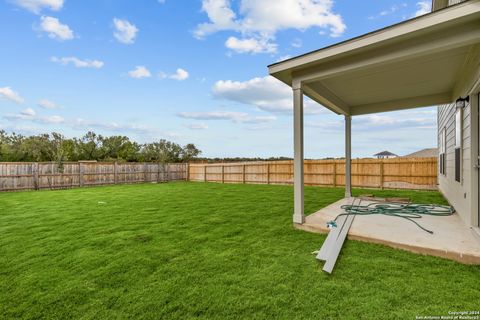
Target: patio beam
(298, 214)
(348, 156)
(327, 98)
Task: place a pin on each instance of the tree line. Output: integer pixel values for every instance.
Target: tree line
(57, 148)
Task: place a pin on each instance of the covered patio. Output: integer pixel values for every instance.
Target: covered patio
(425, 61)
(451, 238)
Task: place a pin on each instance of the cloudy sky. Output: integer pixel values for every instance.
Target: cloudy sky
(189, 71)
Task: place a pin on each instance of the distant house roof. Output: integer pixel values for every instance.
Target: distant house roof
(425, 153)
(385, 153)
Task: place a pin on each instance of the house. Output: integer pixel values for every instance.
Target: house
(430, 60)
(458, 139)
(424, 153)
(385, 155)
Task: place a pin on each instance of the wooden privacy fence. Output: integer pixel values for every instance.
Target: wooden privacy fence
(51, 175)
(397, 173)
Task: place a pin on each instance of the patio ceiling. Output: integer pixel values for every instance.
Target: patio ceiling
(433, 59)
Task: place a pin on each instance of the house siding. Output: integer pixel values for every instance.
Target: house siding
(441, 4)
(452, 2)
(459, 194)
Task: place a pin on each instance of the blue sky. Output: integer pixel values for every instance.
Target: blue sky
(189, 71)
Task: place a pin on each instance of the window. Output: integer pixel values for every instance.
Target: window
(458, 144)
(442, 144)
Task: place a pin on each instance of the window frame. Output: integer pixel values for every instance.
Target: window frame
(458, 145)
(442, 151)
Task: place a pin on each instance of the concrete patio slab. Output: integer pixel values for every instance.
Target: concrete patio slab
(451, 238)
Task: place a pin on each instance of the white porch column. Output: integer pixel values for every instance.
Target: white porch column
(348, 156)
(298, 214)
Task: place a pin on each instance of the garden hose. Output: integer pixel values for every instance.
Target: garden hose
(405, 211)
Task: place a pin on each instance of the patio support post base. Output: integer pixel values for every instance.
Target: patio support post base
(298, 219)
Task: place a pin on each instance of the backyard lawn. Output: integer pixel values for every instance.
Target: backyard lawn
(184, 250)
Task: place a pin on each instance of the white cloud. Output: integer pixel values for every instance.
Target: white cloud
(394, 8)
(297, 43)
(52, 119)
(400, 120)
(79, 63)
(140, 72)
(236, 117)
(9, 94)
(125, 32)
(261, 20)
(197, 126)
(259, 127)
(36, 6)
(29, 112)
(82, 124)
(423, 7)
(267, 94)
(180, 75)
(250, 45)
(47, 104)
(405, 119)
(221, 17)
(55, 29)
(30, 115)
(285, 57)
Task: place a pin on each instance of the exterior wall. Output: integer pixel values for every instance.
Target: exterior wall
(440, 4)
(452, 2)
(459, 194)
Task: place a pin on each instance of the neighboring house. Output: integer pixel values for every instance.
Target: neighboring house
(385, 155)
(424, 153)
(430, 60)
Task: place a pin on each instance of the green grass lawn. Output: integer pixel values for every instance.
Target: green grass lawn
(185, 250)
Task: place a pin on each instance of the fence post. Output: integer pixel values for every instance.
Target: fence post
(80, 174)
(144, 172)
(243, 174)
(35, 176)
(381, 174)
(205, 173)
(115, 175)
(187, 168)
(223, 173)
(268, 173)
(291, 172)
(334, 173)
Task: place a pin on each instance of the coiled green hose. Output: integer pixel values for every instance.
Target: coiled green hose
(405, 211)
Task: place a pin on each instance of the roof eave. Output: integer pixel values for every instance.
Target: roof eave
(283, 70)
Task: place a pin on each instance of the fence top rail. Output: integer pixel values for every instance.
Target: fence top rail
(319, 162)
(86, 163)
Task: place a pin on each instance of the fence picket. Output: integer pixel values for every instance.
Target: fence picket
(397, 173)
(51, 175)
